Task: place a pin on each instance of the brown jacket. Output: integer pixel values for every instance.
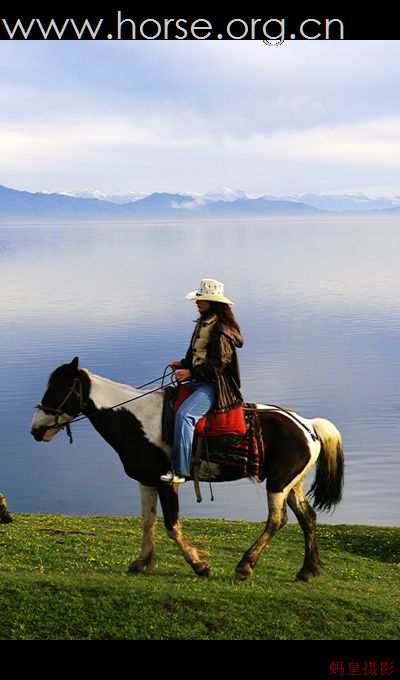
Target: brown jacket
(221, 367)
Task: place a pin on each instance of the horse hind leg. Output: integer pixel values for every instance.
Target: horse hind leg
(147, 558)
(277, 518)
(306, 517)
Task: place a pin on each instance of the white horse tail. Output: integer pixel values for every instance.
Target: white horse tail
(326, 489)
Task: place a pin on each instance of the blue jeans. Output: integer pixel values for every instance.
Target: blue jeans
(189, 412)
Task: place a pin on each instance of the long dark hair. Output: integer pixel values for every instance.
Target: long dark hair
(224, 314)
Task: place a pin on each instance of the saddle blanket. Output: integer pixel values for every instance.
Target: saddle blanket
(240, 456)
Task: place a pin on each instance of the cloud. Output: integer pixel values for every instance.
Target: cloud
(180, 148)
(309, 116)
(353, 142)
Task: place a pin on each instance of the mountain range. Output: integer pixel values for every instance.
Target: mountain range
(23, 206)
(335, 202)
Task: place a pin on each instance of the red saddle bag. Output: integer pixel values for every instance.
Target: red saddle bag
(217, 424)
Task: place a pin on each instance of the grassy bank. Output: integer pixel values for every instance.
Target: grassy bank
(65, 578)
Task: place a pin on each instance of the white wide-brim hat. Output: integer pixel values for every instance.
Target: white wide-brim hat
(210, 290)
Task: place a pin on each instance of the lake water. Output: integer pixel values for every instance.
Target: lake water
(318, 303)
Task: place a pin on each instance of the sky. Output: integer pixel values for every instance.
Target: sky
(305, 116)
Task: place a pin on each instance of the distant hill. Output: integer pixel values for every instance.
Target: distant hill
(160, 204)
(19, 207)
(344, 202)
(23, 206)
(258, 206)
(331, 202)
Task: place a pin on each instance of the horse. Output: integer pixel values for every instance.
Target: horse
(293, 446)
(5, 515)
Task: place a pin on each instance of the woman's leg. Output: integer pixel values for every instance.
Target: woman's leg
(189, 412)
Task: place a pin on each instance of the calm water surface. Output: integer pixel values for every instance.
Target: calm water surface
(319, 308)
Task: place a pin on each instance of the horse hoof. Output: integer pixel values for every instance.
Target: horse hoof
(304, 576)
(136, 567)
(140, 566)
(143, 564)
(243, 573)
(5, 516)
(202, 569)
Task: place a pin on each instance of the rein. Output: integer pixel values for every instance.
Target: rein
(82, 404)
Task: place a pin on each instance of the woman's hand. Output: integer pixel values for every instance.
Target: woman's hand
(175, 364)
(183, 374)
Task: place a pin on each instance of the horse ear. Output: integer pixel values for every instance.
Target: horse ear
(75, 363)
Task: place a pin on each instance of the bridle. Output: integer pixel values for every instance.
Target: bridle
(77, 390)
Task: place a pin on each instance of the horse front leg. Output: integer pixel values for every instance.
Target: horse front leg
(147, 558)
(170, 505)
(5, 516)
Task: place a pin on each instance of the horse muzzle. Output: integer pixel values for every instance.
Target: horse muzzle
(44, 434)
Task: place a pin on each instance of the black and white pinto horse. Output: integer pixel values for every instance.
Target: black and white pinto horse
(293, 445)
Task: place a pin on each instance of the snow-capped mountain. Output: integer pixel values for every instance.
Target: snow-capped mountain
(196, 200)
(22, 206)
(119, 197)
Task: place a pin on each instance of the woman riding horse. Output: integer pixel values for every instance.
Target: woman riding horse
(211, 366)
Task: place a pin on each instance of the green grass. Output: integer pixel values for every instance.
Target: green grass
(65, 578)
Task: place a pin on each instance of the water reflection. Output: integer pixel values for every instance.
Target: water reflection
(318, 306)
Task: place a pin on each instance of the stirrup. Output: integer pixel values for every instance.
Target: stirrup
(171, 478)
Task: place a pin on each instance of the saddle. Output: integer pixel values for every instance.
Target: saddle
(228, 424)
(231, 440)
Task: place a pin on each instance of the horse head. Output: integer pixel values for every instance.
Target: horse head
(63, 400)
